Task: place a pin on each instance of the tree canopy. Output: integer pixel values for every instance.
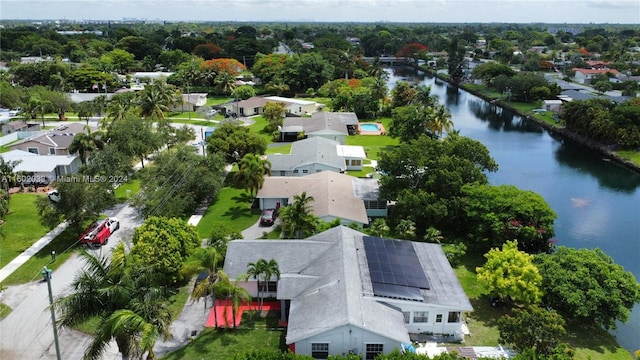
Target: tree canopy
(586, 284)
(233, 142)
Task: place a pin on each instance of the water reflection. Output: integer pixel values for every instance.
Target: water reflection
(501, 119)
(608, 175)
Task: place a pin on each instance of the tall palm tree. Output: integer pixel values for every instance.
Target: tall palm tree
(251, 172)
(119, 107)
(84, 143)
(379, 228)
(257, 270)
(225, 82)
(439, 120)
(298, 219)
(233, 292)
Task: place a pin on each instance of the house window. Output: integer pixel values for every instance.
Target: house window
(52, 151)
(421, 316)
(356, 162)
(439, 318)
(33, 150)
(454, 317)
(305, 171)
(295, 171)
(373, 350)
(407, 316)
(282, 173)
(271, 286)
(256, 110)
(346, 162)
(320, 350)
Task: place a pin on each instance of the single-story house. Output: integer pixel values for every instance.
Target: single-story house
(552, 105)
(19, 125)
(335, 195)
(53, 142)
(190, 102)
(585, 76)
(316, 154)
(295, 107)
(331, 125)
(77, 97)
(249, 107)
(343, 291)
(42, 170)
(143, 76)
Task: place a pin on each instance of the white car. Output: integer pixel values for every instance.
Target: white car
(54, 195)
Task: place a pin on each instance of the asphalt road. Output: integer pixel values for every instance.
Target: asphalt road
(27, 333)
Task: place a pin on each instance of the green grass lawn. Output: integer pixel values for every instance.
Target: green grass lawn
(633, 156)
(64, 246)
(232, 208)
(121, 192)
(4, 311)
(217, 100)
(281, 148)
(21, 228)
(254, 333)
(589, 343)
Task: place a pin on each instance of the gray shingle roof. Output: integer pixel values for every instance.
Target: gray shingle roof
(326, 278)
(323, 122)
(308, 151)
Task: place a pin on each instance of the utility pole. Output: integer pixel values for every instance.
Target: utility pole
(46, 274)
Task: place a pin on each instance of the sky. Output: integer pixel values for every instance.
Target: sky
(422, 11)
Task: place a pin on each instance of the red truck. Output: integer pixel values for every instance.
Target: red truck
(98, 232)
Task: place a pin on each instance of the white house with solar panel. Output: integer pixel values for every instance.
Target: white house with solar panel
(343, 291)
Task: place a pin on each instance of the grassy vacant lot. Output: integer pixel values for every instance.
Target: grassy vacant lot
(589, 343)
(231, 208)
(21, 228)
(254, 333)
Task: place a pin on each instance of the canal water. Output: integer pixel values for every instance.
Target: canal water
(597, 201)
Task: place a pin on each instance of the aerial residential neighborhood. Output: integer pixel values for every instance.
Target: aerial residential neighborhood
(232, 190)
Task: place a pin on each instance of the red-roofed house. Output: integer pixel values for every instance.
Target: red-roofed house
(584, 76)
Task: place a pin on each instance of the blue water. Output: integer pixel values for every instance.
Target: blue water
(369, 127)
(597, 201)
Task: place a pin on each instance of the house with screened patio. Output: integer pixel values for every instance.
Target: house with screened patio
(342, 291)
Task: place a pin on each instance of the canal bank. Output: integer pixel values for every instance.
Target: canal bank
(562, 132)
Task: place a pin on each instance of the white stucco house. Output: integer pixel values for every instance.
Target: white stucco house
(295, 107)
(552, 105)
(343, 291)
(316, 154)
(336, 196)
(190, 102)
(585, 76)
(42, 169)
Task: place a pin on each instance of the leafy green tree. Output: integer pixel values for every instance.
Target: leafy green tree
(162, 245)
(379, 228)
(425, 178)
(408, 122)
(603, 86)
(233, 142)
(119, 108)
(274, 112)
(456, 61)
(119, 60)
(496, 214)
(586, 285)
(403, 94)
(110, 163)
(251, 172)
(179, 182)
(80, 202)
(133, 137)
(510, 274)
(297, 219)
(532, 328)
(86, 142)
(243, 92)
(406, 229)
(7, 176)
(490, 70)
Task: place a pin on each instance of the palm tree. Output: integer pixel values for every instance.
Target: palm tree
(379, 228)
(251, 172)
(206, 259)
(256, 270)
(439, 120)
(298, 219)
(119, 107)
(406, 229)
(233, 292)
(155, 99)
(131, 309)
(225, 82)
(84, 143)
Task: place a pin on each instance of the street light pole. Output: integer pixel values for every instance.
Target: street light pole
(46, 274)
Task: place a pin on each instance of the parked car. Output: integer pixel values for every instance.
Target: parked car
(98, 233)
(268, 217)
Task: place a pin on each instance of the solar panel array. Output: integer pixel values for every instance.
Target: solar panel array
(394, 268)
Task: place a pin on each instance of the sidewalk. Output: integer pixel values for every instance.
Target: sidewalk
(14, 264)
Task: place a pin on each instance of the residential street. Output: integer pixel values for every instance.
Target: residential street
(26, 333)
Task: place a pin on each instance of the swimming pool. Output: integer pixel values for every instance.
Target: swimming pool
(369, 127)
